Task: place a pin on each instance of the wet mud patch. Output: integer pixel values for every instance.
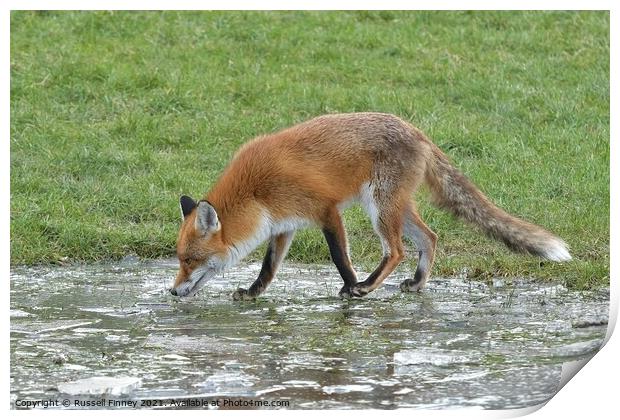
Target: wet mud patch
(92, 329)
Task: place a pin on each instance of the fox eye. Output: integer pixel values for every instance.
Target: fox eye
(188, 261)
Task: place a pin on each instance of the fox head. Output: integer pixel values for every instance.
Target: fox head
(200, 248)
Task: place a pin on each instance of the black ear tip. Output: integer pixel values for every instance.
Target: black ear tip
(187, 205)
(187, 199)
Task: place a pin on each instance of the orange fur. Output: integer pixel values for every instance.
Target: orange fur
(308, 172)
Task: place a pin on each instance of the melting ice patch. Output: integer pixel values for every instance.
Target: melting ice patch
(100, 385)
(435, 357)
(343, 389)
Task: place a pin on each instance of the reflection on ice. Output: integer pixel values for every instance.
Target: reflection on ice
(108, 329)
(100, 386)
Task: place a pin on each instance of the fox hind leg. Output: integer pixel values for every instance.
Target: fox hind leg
(276, 251)
(388, 226)
(425, 241)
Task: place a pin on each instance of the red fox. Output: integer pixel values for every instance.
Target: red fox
(308, 174)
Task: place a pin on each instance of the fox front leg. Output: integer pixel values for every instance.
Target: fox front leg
(336, 238)
(276, 251)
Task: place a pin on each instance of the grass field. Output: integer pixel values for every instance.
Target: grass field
(114, 115)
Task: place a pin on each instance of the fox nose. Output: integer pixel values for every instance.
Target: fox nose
(173, 291)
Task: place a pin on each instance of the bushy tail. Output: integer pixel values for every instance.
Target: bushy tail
(453, 191)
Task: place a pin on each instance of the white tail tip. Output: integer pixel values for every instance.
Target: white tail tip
(557, 251)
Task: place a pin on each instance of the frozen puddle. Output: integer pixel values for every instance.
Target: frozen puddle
(433, 357)
(100, 385)
(112, 330)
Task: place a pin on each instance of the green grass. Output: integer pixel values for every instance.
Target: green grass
(114, 115)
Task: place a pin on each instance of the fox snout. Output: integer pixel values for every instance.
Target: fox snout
(174, 290)
(181, 285)
(188, 282)
(189, 287)
(180, 291)
(183, 289)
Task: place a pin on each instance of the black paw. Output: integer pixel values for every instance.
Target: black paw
(242, 294)
(411, 285)
(357, 290)
(345, 293)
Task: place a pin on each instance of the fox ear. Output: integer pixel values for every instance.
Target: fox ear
(187, 205)
(206, 218)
